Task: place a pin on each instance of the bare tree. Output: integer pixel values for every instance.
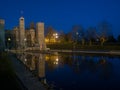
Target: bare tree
(61, 37)
(68, 37)
(91, 35)
(118, 38)
(77, 33)
(105, 30)
(49, 31)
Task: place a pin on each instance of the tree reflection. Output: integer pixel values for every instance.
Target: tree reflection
(105, 68)
(81, 64)
(78, 64)
(92, 65)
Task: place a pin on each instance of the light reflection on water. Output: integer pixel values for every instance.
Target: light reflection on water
(69, 72)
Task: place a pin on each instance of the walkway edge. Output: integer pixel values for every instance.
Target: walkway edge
(25, 76)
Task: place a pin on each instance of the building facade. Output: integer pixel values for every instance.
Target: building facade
(40, 35)
(21, 30)
(31, 37)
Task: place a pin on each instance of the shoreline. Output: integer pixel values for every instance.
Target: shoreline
(24, 76)
(112, 52)
(55, 51)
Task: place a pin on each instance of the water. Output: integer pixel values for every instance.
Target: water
(74, 71)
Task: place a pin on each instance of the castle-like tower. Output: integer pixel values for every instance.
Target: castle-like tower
(16, 33)
(31, 37)
(22, 38)
(41, 66)
(2, 34)
(40, 35)
(32, 34)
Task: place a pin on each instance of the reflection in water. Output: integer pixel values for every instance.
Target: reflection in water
(105, 68)
(81, 64)
(73, 70)
(99, 67)
(35, 63)
(41, 68)
(53, 61)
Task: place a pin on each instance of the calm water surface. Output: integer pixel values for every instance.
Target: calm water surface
(74, 71)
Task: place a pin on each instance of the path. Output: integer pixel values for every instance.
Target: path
(25, 76)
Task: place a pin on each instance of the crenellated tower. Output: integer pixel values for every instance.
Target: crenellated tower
(40, 35)
(22, 39)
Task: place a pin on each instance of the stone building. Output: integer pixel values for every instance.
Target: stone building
(40, 35)
(31, 37)
(22, 38)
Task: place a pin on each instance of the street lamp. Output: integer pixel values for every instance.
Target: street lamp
(77, 34)
(8, 42)
(9, 39)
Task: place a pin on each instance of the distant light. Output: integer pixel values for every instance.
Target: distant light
(56, 37)
(56, 34)
(25, 59)
(77, 33)
(9, 39)
(97, 39)
(56, 63)
(57, 59)
(25, 39)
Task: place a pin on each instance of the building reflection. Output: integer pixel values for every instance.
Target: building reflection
(39, 64)
(41, 68)
(95, 65)
(35, 63)
(52, 61)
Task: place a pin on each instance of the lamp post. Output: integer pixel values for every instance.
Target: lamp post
(9, 42)
(77, 36)
(76, 40)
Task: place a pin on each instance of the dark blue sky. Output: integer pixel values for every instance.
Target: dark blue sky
(62, 14)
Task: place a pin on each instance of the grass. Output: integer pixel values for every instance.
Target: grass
(70, 46)
(8, 78)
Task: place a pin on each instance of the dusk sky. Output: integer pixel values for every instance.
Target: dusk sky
(62, 14)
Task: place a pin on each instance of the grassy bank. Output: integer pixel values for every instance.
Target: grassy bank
(71, 46)
(8, 78)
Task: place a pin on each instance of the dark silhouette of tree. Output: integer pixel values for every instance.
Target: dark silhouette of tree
(111, 39)
(68, 37)
(49, 31)
(61, 37)
(91, 35)
(77, 33)
(118, 38)
(105, 30)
